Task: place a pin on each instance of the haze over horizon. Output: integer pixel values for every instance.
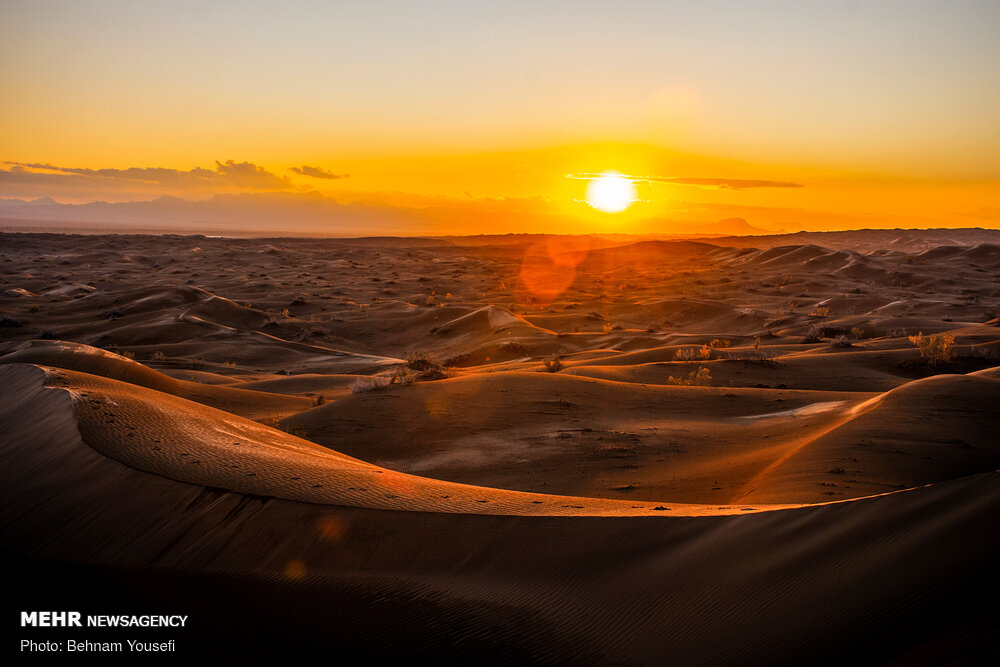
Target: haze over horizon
(455, 119)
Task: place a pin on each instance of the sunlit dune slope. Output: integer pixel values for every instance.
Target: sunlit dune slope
(929, 430)
(86, 359)
(189, 442)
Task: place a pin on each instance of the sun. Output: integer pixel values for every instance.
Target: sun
(610, 192)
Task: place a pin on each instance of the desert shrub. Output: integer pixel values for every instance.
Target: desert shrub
(935, 349)
(553, 365)
(761, 354)
(419, 360)
(514, 348)
(841, 341)
(369, 383)
(159, 356)
(687, 354)
(456, 360)
(127, 354)
(403, 375)
(699, 378)
(719, 343)
(814, 335)
(820, 311)
(34, 308)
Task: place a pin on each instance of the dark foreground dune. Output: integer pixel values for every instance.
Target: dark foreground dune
(826, 494)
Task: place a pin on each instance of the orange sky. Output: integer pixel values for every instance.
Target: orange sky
(468, 117)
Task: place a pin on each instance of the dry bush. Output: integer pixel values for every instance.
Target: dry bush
(419, 360)
(403, 375)
(719, 343)
(369, 383)
(820, 311)
(699, 378)
(842, 341)
(935, 349)
(553, 365)
(456, 360)
(814, 335)
(687, 354)
(514, 348)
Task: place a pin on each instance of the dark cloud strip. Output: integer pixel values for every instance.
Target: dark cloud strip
(317, 172)
(230, 173)
(720, 183)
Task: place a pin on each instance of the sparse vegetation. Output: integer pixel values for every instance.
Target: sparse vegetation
(699, 378)
(403, 376)
(842, 341)
(814, 335)
(820, 311)
(370, 383)
(513, 347)
(935, 349)
(159, 356)
(687, 354)
(419, 360)
(553, 365)
(456, 360)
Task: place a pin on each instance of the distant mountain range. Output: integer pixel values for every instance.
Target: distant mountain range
(296, 214)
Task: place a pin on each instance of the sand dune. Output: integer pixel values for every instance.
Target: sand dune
(540, 449)
(668, 596)
(83, 358)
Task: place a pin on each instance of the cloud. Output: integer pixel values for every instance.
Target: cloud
(317, 172)
(227, 175)
(718, 183)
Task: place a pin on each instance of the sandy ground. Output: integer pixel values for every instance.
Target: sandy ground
(542, 449)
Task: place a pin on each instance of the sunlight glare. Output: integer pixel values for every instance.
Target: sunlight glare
(611, 192)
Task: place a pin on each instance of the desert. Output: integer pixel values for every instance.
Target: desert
(552, 449)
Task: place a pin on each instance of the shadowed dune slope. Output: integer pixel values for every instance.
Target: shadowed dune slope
(892, 572)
